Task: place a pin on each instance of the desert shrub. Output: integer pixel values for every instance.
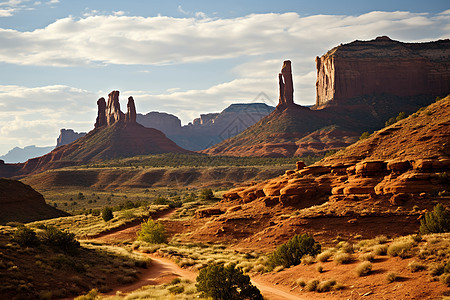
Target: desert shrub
(292, 252)
(445, 279)
(400, 248)
(152, 232)
(436, 221)
(414, 266)
(25, 236)
(380, 249)
(401, 115)
(177, 289)
(363, 268)
(107, 214)
(92, 295)
(206, 194)
(324, 256)
(61, 240)
(391, 277)
(339, 286)
(436, 270)
(312, 285)
(342, 258)
(319, 269)
(219, 282)
(364, 135)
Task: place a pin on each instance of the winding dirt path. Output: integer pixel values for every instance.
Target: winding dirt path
(163, 270)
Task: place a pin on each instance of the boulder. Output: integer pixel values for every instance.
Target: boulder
(398, 166)
(300, 165)
(366, 168)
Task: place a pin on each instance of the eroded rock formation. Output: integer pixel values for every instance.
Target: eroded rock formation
(383, 66)
(110, 113)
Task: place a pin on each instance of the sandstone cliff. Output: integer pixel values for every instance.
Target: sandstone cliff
(67, 136)
(383, 66)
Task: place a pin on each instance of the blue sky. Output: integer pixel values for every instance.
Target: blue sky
(182, 57)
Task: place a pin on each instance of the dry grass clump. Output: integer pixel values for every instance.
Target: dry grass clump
(345, 247)
(391, 277)
(325, 255)
(312, 285)
(445, 279)
(342, 258)
(400, 248)
(325, 286)
(414, 266)
(367, 257)
(363, 268)
(307, 259)
(300, 282)
(380, 249)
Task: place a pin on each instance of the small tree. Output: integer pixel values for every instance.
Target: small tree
(226, 283)
(206, 194)
(292, 252)
(25, 236)
(107, 214)
(364, 135)
(436, 221)
(152, 232)
(61, 240)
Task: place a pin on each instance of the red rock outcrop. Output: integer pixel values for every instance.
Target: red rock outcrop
(383, 66)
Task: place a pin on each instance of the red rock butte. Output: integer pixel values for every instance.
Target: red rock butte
(382, 66)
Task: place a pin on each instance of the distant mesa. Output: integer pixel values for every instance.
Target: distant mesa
(67, 136)
(19, 155)
(359, 86)
(208, 129)
(115, 135)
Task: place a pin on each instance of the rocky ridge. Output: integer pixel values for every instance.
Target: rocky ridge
(21, 203)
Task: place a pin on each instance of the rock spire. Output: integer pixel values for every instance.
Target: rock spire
(286, 86)
(110, 113)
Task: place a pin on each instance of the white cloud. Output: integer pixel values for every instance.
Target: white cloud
(126, 40)
(35, 115)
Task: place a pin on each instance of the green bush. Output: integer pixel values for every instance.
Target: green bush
(206, 194)
(402, 115)
(436, 221)
(107, 214)
(61, 240)
(292, 252)
(227, 283)
(152, 232)
(25, 236)
(364, 135)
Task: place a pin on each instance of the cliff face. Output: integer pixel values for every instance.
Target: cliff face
(383, 66)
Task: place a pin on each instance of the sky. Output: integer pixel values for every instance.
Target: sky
(57, 57)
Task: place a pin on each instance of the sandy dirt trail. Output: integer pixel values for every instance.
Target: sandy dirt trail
(163, 270)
